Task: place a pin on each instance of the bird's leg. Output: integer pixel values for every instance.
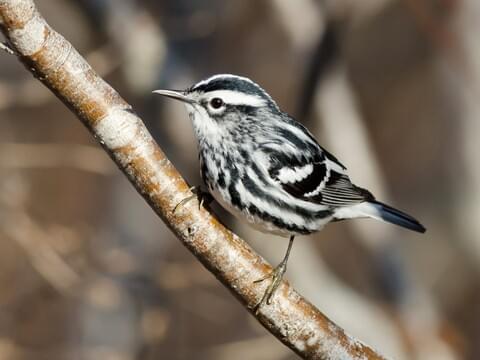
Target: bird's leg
(202, 196)
(276, 275)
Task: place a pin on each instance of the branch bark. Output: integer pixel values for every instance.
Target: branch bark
(111, 120)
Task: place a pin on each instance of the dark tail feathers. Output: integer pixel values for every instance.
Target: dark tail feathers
(394, 216)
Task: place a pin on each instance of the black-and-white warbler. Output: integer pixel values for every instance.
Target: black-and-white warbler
(265, 167)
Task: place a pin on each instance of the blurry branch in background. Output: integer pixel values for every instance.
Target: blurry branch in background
(25, 93)
(434, 27)
(55, 62)
(34, 242)
(141, 46)
(39, 243)
(420, 324)
(32, 156)
(329, 97)
(324, 56)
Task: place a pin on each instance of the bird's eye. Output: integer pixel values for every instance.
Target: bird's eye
(216, 103)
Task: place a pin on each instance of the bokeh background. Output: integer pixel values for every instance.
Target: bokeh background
(392, 87)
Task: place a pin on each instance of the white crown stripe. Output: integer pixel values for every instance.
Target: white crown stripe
(231, 97)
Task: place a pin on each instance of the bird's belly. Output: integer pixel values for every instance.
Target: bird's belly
(254, 221)
(260, 223)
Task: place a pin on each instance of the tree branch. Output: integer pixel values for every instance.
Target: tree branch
(111, 120)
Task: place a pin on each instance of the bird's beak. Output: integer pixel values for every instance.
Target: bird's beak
(175, 94)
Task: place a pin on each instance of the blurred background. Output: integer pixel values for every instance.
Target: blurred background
(389, 86)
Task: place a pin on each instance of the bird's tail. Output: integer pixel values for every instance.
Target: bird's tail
(387, 213)
(379, 211)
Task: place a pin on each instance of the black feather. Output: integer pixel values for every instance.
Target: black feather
(309, 184)
(397, 217)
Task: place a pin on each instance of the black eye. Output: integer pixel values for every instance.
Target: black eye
(216, 103)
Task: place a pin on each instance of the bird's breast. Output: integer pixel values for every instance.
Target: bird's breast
(217, 168)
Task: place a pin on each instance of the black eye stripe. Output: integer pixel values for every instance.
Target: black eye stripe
(246, 109)
(229, 108)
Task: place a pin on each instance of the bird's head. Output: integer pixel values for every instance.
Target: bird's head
(224, 105)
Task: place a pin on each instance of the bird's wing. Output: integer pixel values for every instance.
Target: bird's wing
(314, 176)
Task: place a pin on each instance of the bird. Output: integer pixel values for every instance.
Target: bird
(266, 168)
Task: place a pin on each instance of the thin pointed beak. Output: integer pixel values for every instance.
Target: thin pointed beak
(175, 94)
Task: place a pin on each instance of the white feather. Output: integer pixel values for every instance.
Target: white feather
(296, 174)
(316, 191)
(361, 210)
(237, 98)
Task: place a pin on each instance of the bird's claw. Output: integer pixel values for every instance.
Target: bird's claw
(5, 47)
(198, 193)
(276, 275)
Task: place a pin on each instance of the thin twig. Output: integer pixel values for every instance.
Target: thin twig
(54, 61)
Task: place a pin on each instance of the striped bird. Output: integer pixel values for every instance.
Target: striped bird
(266, 168)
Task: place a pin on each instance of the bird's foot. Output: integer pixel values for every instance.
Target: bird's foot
(276, 275)
(203, 197)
